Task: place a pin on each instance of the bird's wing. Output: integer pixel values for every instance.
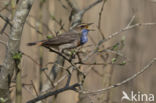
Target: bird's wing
(62, 39)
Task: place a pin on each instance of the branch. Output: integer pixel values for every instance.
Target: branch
(60, 54)
(6, 6)
(129, 27)
(5, 19)
(90, 6)
(124, 81)
(13, 46)
(99, 20)
(5, 44)
(72, 87)
(72, 5)
(126, 28)
(100, 14)
(44, 24)
(77, 16)
(64, 6)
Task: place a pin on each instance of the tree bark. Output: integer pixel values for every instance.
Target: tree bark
(6, 71)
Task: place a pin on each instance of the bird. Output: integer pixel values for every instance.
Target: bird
(74, 38)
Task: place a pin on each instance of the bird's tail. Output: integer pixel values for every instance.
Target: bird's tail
(39, 43)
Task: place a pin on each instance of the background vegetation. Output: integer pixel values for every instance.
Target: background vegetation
(120, 49)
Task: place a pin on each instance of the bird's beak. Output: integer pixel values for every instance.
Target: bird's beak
(89, 24)
(89, 28)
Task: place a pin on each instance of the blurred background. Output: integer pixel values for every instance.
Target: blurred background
(51, 17)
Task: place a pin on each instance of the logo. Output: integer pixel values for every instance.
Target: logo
(137, 97)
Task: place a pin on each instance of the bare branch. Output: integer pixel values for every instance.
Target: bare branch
(77, 16)
(90, 6)
(59, 23)
(124, 81)
(99, 20)
(82, 63)
(113, 35)
(33, 85)
(5, 44)
(64, 6)
(72, 5)
(5, 19)
(45, 25)
(131, 21)
(60, 54)
(33, 27)
(72, 87)
(5, 7)
(100, 13)
(30, 58)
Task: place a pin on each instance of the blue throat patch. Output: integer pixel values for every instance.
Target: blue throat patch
(84, 37)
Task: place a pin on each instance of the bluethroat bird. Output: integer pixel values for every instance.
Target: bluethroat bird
(72, 39)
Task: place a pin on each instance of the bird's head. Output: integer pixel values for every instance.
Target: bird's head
(83, 26)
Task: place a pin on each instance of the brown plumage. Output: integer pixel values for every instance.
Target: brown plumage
(63, 41)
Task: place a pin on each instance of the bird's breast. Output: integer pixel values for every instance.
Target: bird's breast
(83, 40)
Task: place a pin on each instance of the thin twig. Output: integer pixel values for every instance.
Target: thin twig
(5, 19)
(57, 22)
(124, 81)
(72, 87)
(91, 5)
(52, 50)
(78, 14)
(45, 25)
(113, 35)
(113, 52)
(60, 80)
(30, 58)
(99, 20)
(82, 63)
(34, 87)
(4, 43)
(5, 7)
(100, 14)
(4, 27)
(51, 82)
(69, 78)
(72, 5)
(29, 24)
(64, 6)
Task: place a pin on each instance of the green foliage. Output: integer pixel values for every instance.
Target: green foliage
(119, 45)
(2, 100)
(17, 56)
(116, 46)
(114, 60)
(73, 51)
(49, 36)
(123, 63)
